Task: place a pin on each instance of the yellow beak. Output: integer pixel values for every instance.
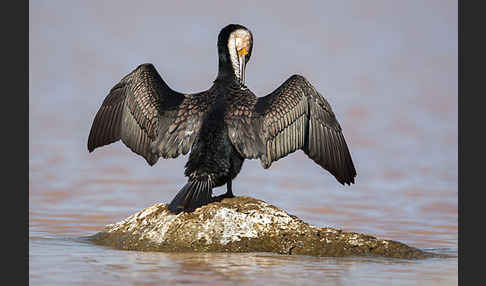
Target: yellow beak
(242, 63)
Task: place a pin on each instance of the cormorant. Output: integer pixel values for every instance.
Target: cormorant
(221, 126)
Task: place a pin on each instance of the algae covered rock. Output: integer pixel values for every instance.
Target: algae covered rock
(241, 224)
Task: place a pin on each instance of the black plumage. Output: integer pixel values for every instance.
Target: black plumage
(222, 126)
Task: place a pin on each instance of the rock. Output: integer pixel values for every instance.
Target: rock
(242, 224)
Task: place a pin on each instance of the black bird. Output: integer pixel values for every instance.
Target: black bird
(221, 126)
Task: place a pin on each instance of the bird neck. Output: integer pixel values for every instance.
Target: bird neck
(226, 70)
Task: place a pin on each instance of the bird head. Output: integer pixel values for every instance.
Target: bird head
(235, 43)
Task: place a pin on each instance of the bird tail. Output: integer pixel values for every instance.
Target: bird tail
(193, 195)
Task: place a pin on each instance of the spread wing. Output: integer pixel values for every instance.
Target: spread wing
(150, 118)
(295, 116)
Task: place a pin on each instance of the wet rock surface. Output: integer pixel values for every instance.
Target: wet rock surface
(242, 224)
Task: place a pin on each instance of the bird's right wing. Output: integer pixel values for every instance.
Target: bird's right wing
(150, 118)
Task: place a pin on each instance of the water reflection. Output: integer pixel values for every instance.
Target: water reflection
(97, 264)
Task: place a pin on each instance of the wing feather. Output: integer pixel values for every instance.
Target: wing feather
(294, 117)
(148, 116)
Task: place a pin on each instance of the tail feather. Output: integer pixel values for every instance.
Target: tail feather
(193, 195)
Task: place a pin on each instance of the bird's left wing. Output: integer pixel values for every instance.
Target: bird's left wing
(295, 116)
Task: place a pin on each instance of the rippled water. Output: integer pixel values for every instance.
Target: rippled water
(389, 70)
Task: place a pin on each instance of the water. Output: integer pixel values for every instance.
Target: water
(102, 266)
(391, 80)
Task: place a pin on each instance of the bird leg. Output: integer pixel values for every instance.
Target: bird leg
(228, 194)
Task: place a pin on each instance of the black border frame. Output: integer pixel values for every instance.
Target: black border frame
(15, 133)
(471, 64)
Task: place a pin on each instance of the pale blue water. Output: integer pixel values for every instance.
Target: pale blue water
(389, 70)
